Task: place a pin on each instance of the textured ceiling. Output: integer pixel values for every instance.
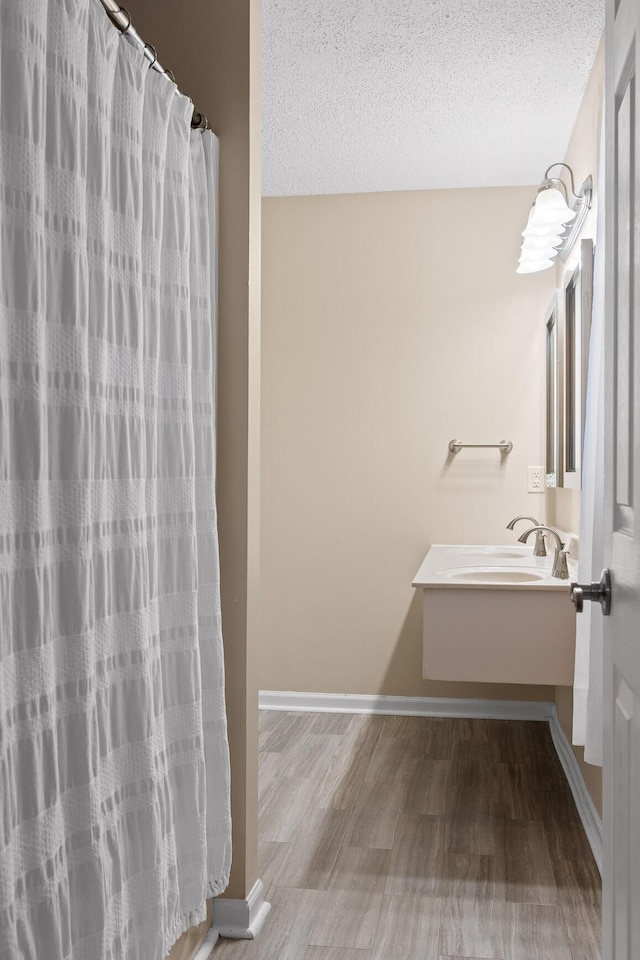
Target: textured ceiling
(370, 95)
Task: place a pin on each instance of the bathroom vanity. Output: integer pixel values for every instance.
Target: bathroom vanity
(495, 614)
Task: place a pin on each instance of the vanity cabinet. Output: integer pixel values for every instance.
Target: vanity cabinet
(495, 615)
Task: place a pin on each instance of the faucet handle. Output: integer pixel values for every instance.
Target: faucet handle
(560, 566)
(540, 548)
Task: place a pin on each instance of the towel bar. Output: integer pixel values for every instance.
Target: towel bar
(505, 446)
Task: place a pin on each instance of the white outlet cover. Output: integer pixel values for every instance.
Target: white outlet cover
(536, 479)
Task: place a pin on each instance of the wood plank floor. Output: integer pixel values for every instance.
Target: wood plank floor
(406, 838)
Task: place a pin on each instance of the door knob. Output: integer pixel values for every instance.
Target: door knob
(600, 592)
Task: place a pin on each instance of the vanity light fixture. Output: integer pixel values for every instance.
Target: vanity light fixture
(555, 221)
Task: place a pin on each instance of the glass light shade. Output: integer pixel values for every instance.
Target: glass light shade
(550, 198)
(548, 232)
(532, 256)
(530, 264)
(550, 220)
(534, 266)
(543, 223)
(542, 230)
(547, 255)
(551, 207)
(541, 241)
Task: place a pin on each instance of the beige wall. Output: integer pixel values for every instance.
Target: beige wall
(392, 323)
(563, 507)
(214, 51)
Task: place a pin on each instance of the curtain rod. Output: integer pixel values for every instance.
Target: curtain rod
(121, 18)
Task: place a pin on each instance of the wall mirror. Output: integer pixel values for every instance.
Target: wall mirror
(577, 302)
(553, 431)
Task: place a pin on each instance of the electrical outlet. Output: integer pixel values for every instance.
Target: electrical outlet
(535, 479)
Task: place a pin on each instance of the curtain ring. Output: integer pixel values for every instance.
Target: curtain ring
(149, 46)
(199, 121)
(112, 17)
(171, 75)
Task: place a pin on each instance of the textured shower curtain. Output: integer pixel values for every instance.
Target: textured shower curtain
(114, 769)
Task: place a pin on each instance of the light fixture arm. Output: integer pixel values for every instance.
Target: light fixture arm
(573, 183)
(582, 204)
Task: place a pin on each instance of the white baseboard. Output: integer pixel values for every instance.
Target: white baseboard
(207, 945)
(450, 707)
(404, 706)
(589, 816)
(241, 919)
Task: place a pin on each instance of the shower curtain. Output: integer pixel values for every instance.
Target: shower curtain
(114, 767)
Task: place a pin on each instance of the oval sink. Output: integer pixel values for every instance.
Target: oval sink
(507, 554)
(501, 553)
(498, 576)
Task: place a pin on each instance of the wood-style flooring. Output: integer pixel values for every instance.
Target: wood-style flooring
(409, 838)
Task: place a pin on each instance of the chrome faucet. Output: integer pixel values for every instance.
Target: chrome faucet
(539, 549)
(559, 568)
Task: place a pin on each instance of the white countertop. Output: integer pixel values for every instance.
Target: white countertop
(447, 564)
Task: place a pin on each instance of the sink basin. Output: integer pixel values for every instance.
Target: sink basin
(506, 554)
(497, 575)
(500, 553)
(487, 567)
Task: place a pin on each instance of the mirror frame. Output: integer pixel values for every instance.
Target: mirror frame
(577, 303)
(553, 448)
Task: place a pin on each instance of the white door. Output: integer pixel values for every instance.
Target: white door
(621, 880)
